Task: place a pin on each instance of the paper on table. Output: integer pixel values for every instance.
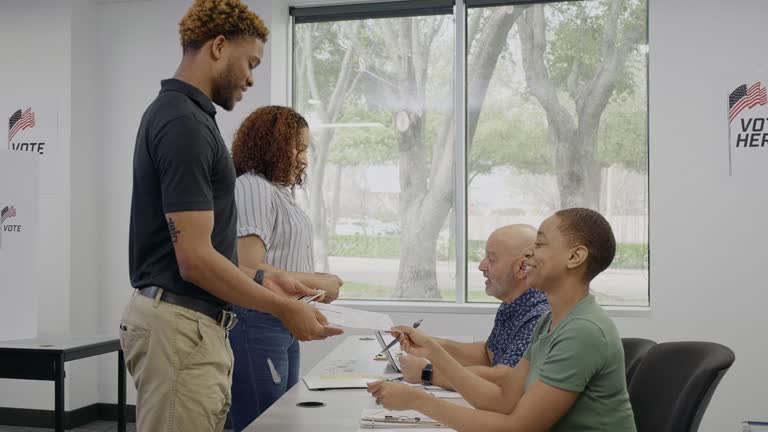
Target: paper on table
(384, 419)
(352, 318)
(396, 428)
(445, 394)
(437, 391)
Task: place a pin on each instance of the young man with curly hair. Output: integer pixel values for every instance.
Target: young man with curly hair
(183, 233)
(274, 234)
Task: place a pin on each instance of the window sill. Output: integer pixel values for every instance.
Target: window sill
(466, 308)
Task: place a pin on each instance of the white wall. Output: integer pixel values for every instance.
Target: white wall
(707, 235)
(87, 191)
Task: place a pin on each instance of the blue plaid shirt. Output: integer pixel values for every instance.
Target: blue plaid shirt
(514, 326)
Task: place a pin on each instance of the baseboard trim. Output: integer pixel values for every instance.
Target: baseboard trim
(72, 419)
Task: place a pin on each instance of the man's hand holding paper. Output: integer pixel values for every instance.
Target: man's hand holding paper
(353, 318)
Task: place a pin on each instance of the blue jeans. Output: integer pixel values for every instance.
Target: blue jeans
(266, 364)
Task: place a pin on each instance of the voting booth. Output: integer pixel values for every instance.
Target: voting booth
(19, 264)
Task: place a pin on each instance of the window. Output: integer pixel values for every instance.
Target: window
(556, 116)
(378, 94)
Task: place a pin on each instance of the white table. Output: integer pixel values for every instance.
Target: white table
(342, 409)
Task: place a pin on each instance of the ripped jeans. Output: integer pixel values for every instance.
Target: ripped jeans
(266, 364)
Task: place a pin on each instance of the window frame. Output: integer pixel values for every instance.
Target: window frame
(458, 10)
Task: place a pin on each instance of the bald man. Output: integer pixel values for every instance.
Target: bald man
(504, 270)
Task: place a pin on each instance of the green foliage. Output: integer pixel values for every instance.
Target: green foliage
(622, 139)
(327, 51)
(628, 255)
(384, 246)
(631, 256)
(364, 145)
(512, 136)
(508, 136)
(475, 250)
(364, 291)
(578, 37)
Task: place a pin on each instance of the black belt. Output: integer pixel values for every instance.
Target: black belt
(223, 316)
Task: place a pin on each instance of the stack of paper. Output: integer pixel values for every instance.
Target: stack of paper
(352, 318)
(386, 419)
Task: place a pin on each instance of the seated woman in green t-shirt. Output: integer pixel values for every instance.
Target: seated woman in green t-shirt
(572, 376)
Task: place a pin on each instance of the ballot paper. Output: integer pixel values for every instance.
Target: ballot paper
(353, 318)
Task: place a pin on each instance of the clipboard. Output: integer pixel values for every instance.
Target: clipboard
(386, 419)
(393, 363)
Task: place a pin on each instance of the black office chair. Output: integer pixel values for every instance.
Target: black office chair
(635, 350)
(673, 385)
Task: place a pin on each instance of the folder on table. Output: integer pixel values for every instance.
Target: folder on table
(386, 419)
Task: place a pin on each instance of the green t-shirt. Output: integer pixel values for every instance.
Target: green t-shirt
(583, 354)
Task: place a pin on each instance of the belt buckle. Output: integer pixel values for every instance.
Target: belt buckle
(228, 320)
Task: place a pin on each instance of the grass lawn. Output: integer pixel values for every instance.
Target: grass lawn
(360, 291)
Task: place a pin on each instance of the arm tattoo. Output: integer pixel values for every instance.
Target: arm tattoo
(172, 229)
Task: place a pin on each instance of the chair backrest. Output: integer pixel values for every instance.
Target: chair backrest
(672, 386)
(635, 350)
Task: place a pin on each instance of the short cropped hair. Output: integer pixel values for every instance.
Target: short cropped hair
(207, 19)
(582, 226)
(269, 143)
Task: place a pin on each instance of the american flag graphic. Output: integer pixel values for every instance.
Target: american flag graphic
(7, 213)
(745, 98)
(20, 121)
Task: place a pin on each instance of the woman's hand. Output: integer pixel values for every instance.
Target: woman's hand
(329, 283)
(396, 396)
(283, 283)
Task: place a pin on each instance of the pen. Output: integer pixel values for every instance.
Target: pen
(391, 344)
(308, 298)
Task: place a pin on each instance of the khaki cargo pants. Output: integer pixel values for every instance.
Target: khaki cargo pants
(181, 363)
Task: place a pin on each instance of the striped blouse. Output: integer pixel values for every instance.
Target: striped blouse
(270, 212)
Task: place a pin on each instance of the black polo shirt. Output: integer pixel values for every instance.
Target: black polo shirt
(180, 163)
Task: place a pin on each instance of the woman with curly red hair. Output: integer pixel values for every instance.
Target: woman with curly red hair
(269, 152)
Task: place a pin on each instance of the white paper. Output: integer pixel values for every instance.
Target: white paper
(352, 318)
(382, 413)
(402, 428)
(437, 391)
(375, 418)
(445, 394)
